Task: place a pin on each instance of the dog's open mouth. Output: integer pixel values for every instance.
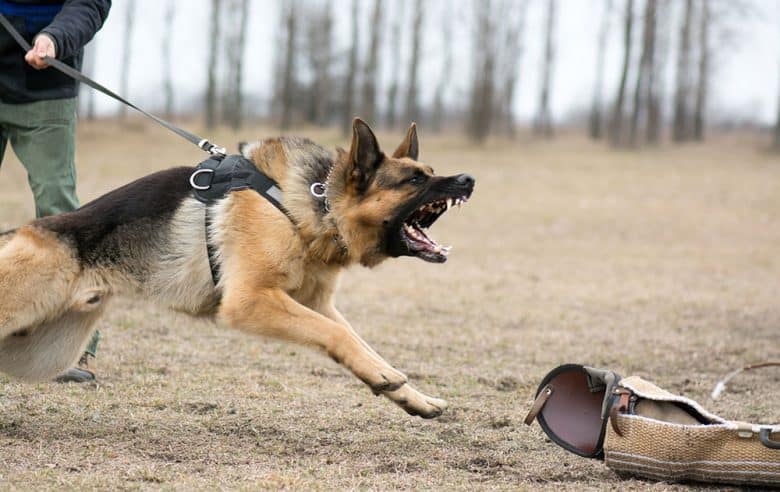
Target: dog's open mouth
(414, 229)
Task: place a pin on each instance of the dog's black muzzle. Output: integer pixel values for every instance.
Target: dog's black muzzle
(439, 188)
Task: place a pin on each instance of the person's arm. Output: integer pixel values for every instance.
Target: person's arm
(75, 25)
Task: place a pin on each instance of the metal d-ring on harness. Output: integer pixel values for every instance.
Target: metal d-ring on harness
(219, 175)
(227, 173)
(320, 192)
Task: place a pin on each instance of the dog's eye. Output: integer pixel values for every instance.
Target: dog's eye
(417, 179)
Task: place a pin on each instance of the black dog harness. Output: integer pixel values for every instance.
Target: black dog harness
(219, 175)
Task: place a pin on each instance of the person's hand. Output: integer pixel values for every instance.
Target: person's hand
(44, 46)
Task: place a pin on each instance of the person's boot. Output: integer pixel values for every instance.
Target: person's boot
(78, 374)
(81, 373)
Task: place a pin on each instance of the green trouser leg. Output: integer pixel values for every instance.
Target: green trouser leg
(42, 135)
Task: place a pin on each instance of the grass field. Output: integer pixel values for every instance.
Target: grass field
(663, 263)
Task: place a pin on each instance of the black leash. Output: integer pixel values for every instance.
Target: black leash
(223, 173)
(72, 72)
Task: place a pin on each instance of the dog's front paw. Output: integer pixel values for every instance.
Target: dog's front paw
(386, 380)
(416, 403)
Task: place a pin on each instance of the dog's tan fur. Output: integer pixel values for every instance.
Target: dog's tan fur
(277, 278)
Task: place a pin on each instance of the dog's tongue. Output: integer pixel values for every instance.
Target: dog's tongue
(422, 242)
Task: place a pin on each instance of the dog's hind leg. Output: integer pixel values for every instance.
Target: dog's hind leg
(37, 272)
(46, 308)
(42, 352)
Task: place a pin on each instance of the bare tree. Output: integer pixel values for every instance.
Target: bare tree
(372, 65)
(238, 95)
(483, 83)
(655, 87)
(616, 124)
(395, 65)
(644, 77)
(512, 56)
(412, 104)
(704, 68)
(291, 23)
(594, 123)
(680, 127)
(126, 54)
(234, 45)
(446, 22)
(349, 85)
(319, 49)
(211, 87)
(543, 121)
(167, 49)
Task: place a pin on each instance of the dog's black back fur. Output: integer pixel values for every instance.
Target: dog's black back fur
(141, 206)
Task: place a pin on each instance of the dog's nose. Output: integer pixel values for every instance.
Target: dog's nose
(465, 180)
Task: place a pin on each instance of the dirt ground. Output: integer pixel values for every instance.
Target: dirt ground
(661, 263)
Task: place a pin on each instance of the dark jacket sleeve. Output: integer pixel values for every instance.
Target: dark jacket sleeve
(76, 24)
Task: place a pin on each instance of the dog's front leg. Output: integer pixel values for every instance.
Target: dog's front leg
(406, 397)
(273, 313)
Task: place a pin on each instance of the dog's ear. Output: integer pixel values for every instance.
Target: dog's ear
(364, 154)
(410, 147)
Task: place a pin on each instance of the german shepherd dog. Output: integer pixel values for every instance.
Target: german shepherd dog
(277, 276)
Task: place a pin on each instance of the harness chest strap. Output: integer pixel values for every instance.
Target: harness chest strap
(219, 175)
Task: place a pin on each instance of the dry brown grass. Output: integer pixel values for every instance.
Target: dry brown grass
(662, 263)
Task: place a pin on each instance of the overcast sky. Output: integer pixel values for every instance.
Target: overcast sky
(745, 83)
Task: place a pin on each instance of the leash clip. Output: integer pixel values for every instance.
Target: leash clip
(211, 148)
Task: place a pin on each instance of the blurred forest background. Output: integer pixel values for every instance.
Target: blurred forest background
(630, 72)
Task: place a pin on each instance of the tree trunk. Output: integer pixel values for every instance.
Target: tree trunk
(372, 65)
(643, 79)
(289, 66)
(437, 115)
(412, 109)
(595, 125)
(704, 62)
(321, 58)
(615, 133)
(656, 80)
(391, 116)
(167, 49)
(515, 30)
(211, 87)
(234, 52)
(126, 55)
(680, 128)
(543, 123)
(234, 43)
(349, 85)
(483, 84)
